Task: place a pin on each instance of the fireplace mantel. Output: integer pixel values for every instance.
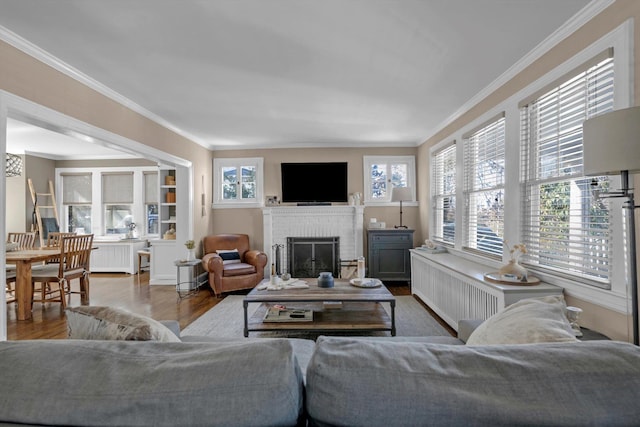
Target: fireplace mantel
(346, 222)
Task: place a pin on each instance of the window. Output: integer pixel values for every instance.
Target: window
(565, 228)
(443, 190)
(151, 202)
(76, 199)
(382, 173)
(117, 200)
(484, 176)
(238, 182)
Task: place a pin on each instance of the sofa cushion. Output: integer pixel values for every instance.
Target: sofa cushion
(110, 323)
(302, 348)
(529, 320)
(384, 383)
(125, 383)
(240, 269)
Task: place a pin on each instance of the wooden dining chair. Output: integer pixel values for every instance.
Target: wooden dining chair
(10, 290)
(75, 252)
(54, 238)
(25, 240)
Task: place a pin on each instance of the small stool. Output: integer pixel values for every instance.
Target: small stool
(143, 253)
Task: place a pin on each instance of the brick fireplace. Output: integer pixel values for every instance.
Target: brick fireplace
(345, 222)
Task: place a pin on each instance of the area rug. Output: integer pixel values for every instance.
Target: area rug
(226, 320)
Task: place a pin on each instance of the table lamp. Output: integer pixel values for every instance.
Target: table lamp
(400, 194)
(611, 146)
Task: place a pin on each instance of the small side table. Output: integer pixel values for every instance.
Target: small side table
(192, 287)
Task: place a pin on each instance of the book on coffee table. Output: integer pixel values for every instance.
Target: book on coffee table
(275, 314)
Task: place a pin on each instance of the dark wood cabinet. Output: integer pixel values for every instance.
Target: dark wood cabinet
(388, 255)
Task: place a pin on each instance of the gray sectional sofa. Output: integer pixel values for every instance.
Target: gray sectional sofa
(349, 382)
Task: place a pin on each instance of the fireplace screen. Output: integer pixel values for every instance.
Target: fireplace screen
(309, 256)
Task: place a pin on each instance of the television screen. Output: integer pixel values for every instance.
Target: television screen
(314, 182)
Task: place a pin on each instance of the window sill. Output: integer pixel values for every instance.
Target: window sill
(606, 298)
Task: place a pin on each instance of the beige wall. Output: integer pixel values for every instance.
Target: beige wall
(614, 324)
(41, 171)
(249, 221)
(28, 78)
(19, 206)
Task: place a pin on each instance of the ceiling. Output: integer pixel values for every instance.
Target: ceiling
(232, 74)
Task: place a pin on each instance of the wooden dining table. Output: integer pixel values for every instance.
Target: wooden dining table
(23, 260)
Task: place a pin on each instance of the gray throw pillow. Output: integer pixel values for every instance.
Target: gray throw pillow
(108, 323)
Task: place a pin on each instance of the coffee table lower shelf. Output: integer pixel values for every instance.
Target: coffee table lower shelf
(353, 316)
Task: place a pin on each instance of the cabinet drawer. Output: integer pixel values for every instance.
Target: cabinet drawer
(391, 238)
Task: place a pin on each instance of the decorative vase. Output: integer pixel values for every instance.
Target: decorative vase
(514, 269)
(325, 280)
(191, 254)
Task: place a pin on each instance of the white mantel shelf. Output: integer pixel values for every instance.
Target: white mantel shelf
(343, 221)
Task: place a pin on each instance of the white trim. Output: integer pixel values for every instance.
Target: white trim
(41, 55)
(621, 39)
(15, 107)
(219, 202)
(3, 218)
(367, 161)
(574, 23)
(97, 205)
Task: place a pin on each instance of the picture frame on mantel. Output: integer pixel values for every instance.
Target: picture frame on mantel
(272, 201)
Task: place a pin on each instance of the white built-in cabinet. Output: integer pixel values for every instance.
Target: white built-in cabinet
(173, 214)
(116, 255)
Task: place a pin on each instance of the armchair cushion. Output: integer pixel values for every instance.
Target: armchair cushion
(239, 269)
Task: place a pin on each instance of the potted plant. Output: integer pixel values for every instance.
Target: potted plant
(191, 248)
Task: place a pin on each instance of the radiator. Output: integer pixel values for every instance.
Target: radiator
(454, 288)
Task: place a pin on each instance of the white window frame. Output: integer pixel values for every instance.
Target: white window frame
(369, 161)
(474, 143)
(438, 195)
(156, 194)
(566, 102)
(97, 206)
(64, 222)
(621, 39)
(238, 162)
(125, 203)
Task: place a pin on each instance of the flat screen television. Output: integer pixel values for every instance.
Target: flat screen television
(310, 183)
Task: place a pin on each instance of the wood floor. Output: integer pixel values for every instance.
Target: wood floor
(128, 292)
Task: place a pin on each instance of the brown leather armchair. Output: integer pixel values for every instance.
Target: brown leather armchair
(245, 274)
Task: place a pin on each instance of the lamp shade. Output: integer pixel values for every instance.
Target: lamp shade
(401, 194)
(611, 142)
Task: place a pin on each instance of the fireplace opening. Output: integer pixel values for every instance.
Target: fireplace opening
(309, 256)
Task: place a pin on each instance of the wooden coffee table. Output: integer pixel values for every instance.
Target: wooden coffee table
(361, 308)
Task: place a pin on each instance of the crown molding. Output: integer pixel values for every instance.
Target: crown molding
(45, 57)
(573, 24)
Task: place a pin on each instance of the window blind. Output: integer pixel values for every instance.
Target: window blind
(117, 188)
(484, 167)
(443, 167)
(566, 230)
(151, 187)
(76, 188)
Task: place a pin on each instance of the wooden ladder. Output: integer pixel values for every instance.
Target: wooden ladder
(37, 207)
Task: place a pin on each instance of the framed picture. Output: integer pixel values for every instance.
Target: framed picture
(272, 200)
